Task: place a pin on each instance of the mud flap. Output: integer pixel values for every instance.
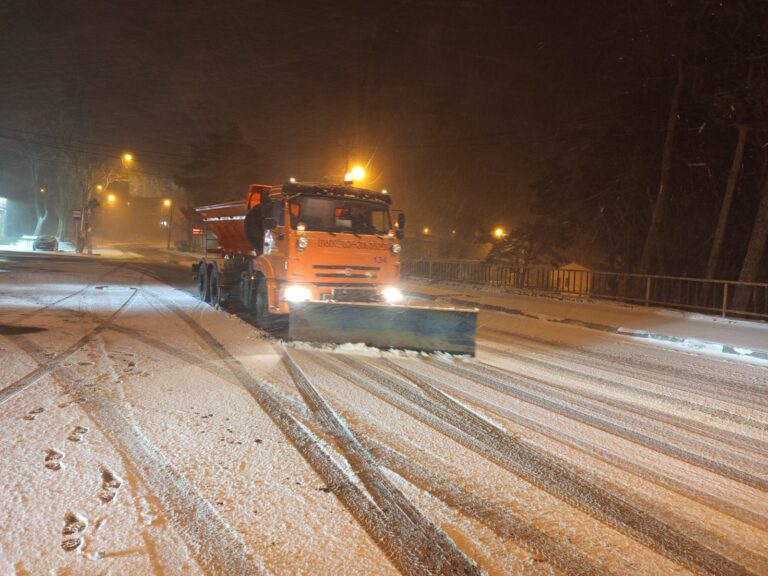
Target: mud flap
(420, 328)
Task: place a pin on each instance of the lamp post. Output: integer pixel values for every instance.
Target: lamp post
(169, 204)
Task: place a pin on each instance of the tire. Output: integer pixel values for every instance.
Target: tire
(214, 289)
(261, 305)
(202, 282)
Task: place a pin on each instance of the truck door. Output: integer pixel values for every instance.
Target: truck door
(275, 240)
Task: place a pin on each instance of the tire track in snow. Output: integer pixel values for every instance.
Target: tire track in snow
(213, 367)
(702, 409)
(436, 550)
(35, 312)
(739, 442)
(502, 522)
(542, 470)
(730, 392)
(214, 545)
(665, 363)
(614, 458)
(590, 410)
(47, 365)
(362, 508)
(298, 410)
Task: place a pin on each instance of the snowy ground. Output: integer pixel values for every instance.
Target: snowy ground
(146, 433)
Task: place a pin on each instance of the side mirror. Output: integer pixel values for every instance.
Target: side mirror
(268, 223)
(400, 232)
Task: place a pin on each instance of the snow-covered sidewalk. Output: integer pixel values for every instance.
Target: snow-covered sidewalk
(68, 249)
(704, 333)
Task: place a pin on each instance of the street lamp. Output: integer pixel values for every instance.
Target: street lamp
(111, 198)
(169, 204)
(499, 233)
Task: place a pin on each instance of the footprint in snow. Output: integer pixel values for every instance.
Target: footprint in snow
(32, 414)
(77, 434)
(110, 484)
(53, 459)
(74, 525)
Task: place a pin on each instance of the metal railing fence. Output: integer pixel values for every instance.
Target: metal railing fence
(723, 297)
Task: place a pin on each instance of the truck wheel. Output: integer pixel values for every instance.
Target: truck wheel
(261, 305)
(202, 282)
(214, 290)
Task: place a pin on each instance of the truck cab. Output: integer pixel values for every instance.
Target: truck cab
(322, 243)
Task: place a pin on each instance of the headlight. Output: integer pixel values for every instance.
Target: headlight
(302, 242)
(391, 294)
(297, 294)
(396, 248)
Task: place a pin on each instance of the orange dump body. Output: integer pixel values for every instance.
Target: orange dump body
(226, 221)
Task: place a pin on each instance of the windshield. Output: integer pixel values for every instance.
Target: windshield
(329, 214)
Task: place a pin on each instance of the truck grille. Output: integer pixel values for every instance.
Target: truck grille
(341, 271)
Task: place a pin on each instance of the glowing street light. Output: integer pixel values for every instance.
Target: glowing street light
(111, 198)
(499, 233)
(167, 202)
(126, 160)
(425, 230)
(42, 190)
(99, 187)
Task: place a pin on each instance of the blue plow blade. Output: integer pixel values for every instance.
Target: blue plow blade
(426, 329)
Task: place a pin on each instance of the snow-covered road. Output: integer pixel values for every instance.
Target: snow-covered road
(146, 433)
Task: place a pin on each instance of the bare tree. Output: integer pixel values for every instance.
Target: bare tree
(33, 157)
(92, 176)
(725, 208)
(750, 268)
(659, 207)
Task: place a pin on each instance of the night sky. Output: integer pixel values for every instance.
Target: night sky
(450, 104)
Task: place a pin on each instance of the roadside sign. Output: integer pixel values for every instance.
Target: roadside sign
(197, 231)
(77, 214)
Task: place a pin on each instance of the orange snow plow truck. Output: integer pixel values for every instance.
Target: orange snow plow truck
(326, 258)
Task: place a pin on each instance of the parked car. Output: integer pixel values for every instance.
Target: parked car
(45, 243)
